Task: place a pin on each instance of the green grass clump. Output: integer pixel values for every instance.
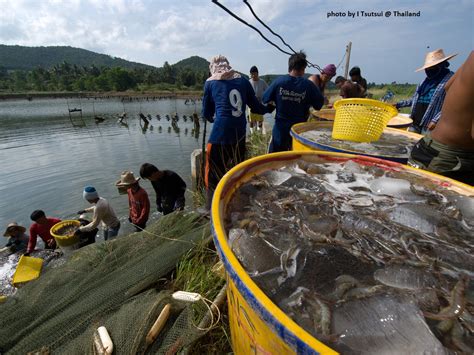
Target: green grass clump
(257, 144)
(193, 274)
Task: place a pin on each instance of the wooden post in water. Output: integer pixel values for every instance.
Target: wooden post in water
(348, 57)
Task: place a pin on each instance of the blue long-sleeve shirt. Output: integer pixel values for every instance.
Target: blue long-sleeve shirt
(227, 99)
(433, 112)
(293, 97)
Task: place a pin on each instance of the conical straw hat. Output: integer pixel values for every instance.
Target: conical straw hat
(435, 57)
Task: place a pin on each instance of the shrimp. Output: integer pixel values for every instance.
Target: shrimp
(457, 305)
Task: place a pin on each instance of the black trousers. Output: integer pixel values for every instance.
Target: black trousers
(220, 158)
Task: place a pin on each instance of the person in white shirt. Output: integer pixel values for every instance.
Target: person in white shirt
(259, 86)
(103, 212)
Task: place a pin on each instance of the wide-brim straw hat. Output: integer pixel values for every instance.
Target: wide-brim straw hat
(11, 227)
(127, 178)
(435, 57)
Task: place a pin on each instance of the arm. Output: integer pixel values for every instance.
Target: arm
(95, 221)
(145, 211)
(129, 205)
(253, 102)
(32, 240)
(317, 99)
(404, 103)
(314, 79)
(158, 203)
(208, 105)
(269, 94)
(409, 102)
(158, 196)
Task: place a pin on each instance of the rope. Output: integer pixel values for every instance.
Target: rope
(260, 33)
(249, 25)
(264, 25)
(276, 34)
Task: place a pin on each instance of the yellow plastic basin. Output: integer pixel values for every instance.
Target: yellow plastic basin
(65, 240)
(28, 269)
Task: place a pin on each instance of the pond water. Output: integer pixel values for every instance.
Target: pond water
(48, 157)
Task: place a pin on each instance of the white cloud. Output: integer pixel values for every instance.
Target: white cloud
(154, 31)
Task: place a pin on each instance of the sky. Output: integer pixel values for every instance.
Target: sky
(386, 48)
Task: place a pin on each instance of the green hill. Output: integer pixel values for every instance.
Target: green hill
(28, 58)
(195, 63)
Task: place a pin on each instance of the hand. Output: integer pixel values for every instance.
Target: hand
(81, 212)
(51, 242)
(270, 107)
(431, 126)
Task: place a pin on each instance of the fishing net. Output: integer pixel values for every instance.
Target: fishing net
(115, 284)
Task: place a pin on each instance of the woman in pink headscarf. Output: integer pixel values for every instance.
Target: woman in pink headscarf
(226, 95)
(320, 80)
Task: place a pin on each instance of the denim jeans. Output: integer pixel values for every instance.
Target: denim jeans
(110, 232)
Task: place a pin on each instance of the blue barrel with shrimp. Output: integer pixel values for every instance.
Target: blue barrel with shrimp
(330, 252)
(393, 144)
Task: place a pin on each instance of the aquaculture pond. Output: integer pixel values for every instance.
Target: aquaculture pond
(48, 156)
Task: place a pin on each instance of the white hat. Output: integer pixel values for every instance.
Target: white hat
(13, 226)
(127, 178)
(435, 57)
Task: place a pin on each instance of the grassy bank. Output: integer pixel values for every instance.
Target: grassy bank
(193, 273)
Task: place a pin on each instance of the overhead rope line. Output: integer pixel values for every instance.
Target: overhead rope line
(249, 25)
(267, 27)
(260, 33)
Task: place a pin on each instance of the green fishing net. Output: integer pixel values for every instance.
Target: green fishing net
(115, 284)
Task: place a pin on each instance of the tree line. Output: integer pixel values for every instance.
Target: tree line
(72, 77)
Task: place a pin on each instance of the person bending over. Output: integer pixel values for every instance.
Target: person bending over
(169, 188)
(41, 228)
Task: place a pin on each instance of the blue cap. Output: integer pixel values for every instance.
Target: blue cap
(90, 193)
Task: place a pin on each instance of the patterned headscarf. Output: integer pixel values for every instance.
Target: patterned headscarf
(221, 70)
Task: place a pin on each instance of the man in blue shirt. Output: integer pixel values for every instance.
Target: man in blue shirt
(293, 95)
(428, 98)
(226, 95)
